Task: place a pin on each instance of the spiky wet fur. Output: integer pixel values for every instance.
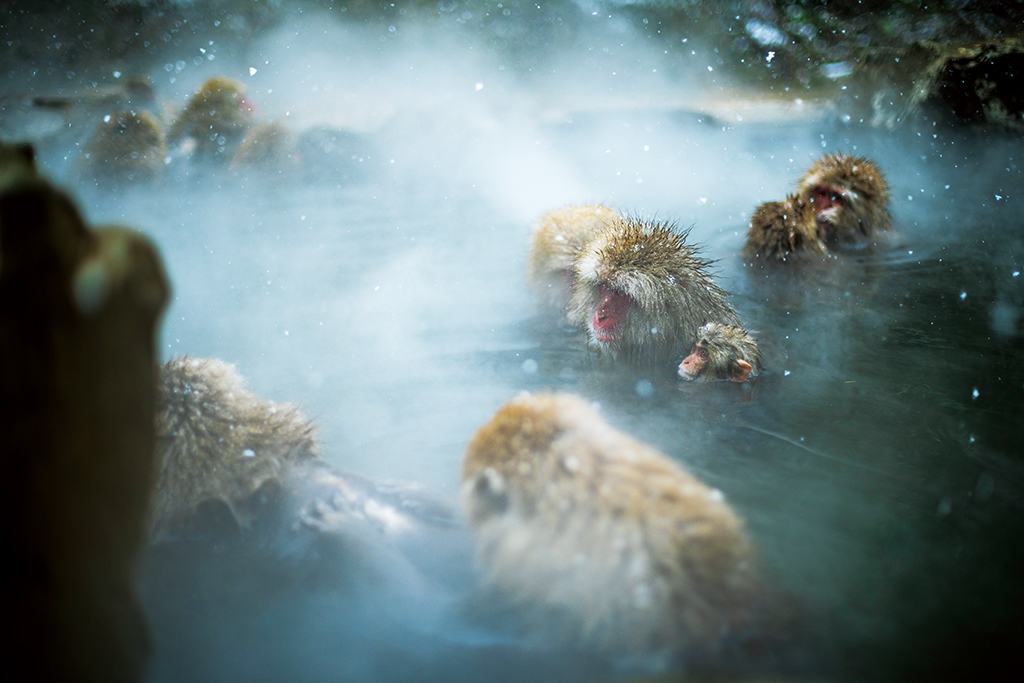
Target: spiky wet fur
(556, 240)
(597, 539)
(862, 184)
(672, 292)
(726, 346)
(783, 230)
(217, 440)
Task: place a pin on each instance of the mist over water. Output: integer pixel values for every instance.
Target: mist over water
(877, 461)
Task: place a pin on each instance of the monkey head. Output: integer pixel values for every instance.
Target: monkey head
(722, 352)
(641, 290)
(849, 195)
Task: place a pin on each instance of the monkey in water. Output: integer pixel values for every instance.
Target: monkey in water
(841, 199)
(850, 198)
(642, 292)
(556, 241)
(597, 540)
(216, 118)
(218, 443)
(127, 145)
(784, 230)
(722, 352)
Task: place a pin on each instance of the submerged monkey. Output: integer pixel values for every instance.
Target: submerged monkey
(556, 241)
(128, 145)
(641, 291)
(599, 541)
(215, 118)
(841, 199)
(722, 352)
(218, 442)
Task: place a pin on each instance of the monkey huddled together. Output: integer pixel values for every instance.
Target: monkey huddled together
(643, 293)
(840, 200)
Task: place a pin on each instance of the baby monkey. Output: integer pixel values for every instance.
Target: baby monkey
(722, 352)
(597, 540)
(841, 199)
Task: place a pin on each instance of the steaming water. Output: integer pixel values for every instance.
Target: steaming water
(876, 461)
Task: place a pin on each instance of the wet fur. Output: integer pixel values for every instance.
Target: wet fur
(862, 185)
(556, 241)
(129, 146)
(726, 346)
(218, 441)
(783, 230)
(668, 283)
(217, 109)
(599, 541)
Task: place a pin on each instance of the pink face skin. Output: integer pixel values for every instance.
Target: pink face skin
(824, 198)
(692, 365)
(611, 309)
(245, 104)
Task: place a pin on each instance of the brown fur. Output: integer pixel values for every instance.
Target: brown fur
(79, 310)
(128, 146)
(670, 291)
(556, 241)
(782, 230)
(866, 195)
(598, 539)
(218, 110)
(267, 145)
(218, 441)
(722, 352)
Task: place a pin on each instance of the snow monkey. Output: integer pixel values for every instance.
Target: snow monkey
(556, 240)
(218, 441)
(598, 540)
(268, 145)
(127, 145)
(641, 291)
(215, 118)
(783, 230)
(850, 198)
(722, 352)
(840, 200)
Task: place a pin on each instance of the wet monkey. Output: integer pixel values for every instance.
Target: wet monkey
(598, 540)
(556, 241)
(722, 352)
(216, 118)
(850, 198)
(128, 145)
(783, 230)
(642, 291)
(218, 442)
(841, 199)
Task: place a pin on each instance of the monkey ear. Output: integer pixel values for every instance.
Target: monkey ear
(742, 371)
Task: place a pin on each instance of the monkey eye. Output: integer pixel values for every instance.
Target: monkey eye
(703, 353)
(837, 198)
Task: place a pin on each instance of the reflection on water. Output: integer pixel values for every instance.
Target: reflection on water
(877, 460)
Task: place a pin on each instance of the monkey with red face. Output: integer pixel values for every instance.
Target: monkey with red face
(641, 291)
(850, 198)
(840, 200)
